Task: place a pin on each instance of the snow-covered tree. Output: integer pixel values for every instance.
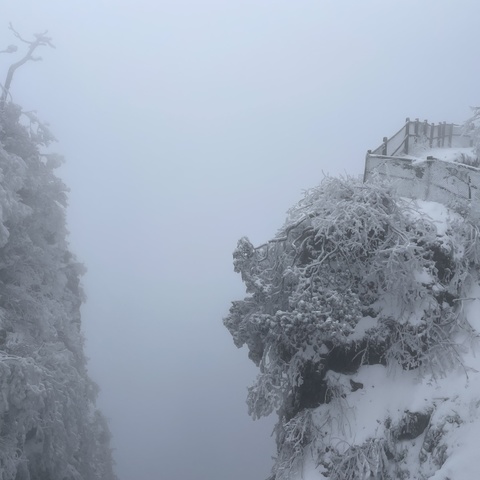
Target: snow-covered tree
(357, 277)
(49, 426)
(472, 128)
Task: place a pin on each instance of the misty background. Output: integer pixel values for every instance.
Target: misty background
(187, 125)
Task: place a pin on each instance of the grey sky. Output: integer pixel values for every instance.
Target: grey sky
(186, 125)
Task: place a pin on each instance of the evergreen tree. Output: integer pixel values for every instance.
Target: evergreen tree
(49, 426)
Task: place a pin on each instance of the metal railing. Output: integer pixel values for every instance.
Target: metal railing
(415, 132)
(432, 179)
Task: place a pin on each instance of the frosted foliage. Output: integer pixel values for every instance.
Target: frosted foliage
(472, 128)
(49, 427)
(356, 277)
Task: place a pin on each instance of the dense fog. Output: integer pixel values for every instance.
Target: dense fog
(187, 125)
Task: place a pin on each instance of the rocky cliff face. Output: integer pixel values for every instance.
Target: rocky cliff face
(362, 316)
(49, 426)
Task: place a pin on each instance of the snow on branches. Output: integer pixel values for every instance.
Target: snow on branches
(472, 127)
(356, 276)
(49, 425)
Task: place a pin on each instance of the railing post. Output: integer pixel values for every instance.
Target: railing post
(432, 130)
(407, 135)
(443, 134)
(366, 170)
(416, 131)
(450, 136)
(385, 143)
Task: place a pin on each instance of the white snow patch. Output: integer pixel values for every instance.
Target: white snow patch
(439, 214)
(446, 154)
(362, 326)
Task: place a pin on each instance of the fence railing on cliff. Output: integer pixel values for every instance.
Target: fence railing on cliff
(432, 179)
(443, 135)
(446, 182)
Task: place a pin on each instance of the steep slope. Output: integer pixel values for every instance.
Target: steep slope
(361, 316)
(49, 427)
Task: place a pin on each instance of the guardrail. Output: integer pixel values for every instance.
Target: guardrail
(450, 184)
(415, 133)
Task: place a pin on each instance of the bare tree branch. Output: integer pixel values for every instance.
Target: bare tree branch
(41, 39)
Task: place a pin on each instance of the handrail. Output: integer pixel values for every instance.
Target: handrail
(441, 135)
(449, 183)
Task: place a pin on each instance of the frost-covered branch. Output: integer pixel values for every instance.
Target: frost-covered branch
(41, 39)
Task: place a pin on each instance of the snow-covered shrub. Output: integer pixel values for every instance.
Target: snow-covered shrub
(367, 461)
(296, 436)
